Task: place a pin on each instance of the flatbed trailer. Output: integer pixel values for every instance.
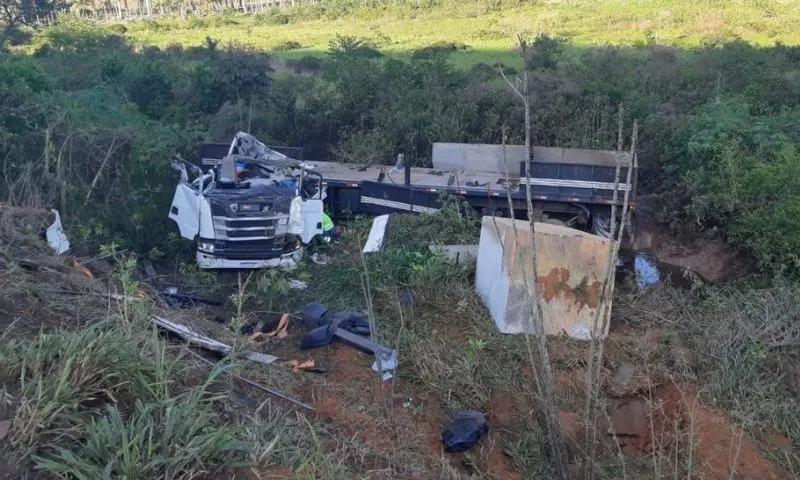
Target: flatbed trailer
(572, 186)
(569, 185)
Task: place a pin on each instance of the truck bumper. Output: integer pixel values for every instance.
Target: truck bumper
(287, 260)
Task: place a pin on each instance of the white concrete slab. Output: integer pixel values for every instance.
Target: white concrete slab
(570, 264)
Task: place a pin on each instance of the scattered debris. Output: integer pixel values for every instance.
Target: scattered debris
(347, 327)
(298, 366)
(77, 265)
(464, 431)
(256, 385)
(646, 271)
(458, 254)
(55, 235)
(149, 271)
(207, 343)
(257, 337)
(386, 363)
(294, 284)
(175, 296)
(320, 259)
(376, 234)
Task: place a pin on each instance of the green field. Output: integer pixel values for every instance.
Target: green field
(489, 28)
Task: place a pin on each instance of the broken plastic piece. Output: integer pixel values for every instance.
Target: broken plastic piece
(376, 234)
(55, 235)
(464, 431)
(76, 264)
(646, 271)
(298, 366)
(294, 284)
(388, 364)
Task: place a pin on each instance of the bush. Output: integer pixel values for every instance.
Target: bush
(273, 16)
(287, 46)
(739, 172)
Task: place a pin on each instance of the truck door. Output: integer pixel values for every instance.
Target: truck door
(185, 208)
(311, 192)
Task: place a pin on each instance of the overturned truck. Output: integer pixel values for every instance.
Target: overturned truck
(256, 207)
(253, 208)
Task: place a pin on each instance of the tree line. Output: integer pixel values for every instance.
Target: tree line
(718, 138)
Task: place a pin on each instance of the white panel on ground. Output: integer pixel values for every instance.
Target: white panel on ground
(570, 264)
(55, 235)
(376, 234)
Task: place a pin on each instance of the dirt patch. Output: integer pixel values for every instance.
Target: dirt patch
(326, 409)
(711, 257)
(571, 428)
(348, 365)
(500, 410)
(497, 464)
(675, 416)
(723, 450)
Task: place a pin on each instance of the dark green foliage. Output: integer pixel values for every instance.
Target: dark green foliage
(717, 121)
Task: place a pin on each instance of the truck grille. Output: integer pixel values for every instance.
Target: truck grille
(254, 250)
(244, 228)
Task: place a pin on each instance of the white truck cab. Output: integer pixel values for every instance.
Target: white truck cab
(254, 208)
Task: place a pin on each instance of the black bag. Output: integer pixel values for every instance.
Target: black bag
(464, 431)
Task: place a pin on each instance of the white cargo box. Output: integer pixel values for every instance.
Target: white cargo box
(570, 264)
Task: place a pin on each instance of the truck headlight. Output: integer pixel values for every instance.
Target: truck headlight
(207, 247)
(281, 225)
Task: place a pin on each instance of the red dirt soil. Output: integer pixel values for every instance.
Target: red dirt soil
(498, 465)
(351, 400)
(721, 450)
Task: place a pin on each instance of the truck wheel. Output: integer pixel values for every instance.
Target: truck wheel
(555, 221)
(494, 212)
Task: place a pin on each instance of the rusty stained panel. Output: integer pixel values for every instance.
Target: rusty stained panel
(571, 265)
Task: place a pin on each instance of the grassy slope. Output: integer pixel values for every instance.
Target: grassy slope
(490, 32)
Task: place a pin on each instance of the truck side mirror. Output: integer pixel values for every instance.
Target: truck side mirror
(179, 167)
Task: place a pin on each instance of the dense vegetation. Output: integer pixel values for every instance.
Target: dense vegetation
(720, 121)
(91, 111)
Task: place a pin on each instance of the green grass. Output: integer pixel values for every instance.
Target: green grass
(490, 31)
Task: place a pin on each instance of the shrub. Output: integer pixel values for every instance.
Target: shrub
(287, 46)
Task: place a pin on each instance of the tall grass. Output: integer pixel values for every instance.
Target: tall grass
(742, 343)
(109, 401)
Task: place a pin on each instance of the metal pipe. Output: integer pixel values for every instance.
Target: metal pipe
(256, 385)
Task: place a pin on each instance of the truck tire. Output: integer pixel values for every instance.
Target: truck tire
(494, 212)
